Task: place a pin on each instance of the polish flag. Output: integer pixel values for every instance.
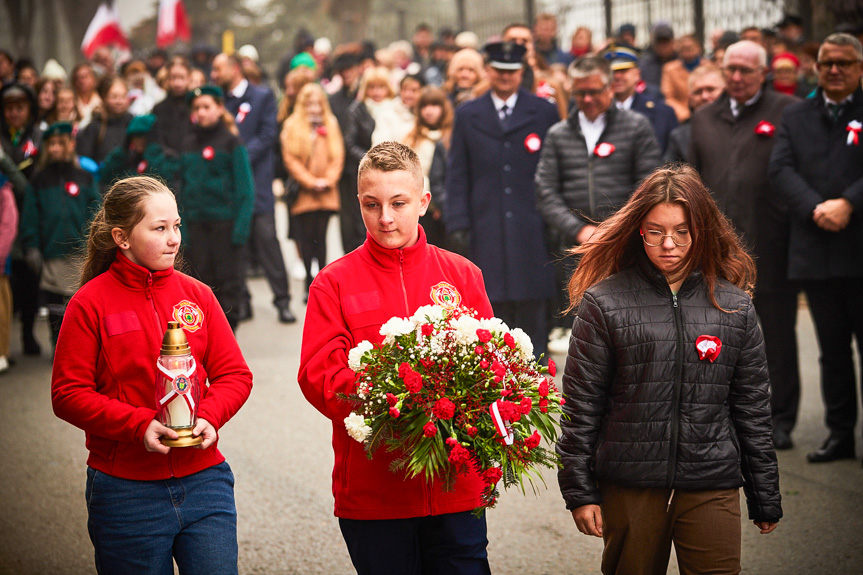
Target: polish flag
(104, 30)
(173, 24)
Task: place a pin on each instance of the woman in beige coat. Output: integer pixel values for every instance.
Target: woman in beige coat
(313, 152)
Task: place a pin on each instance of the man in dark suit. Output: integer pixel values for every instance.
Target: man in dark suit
(817, 167)
(730, 145)
(491, 208)
(632, 93)
(254, 111)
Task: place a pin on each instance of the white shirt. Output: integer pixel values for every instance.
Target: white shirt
(240, 89)
(498, 103)
(626, 104)
(735, 106)
(591, 130)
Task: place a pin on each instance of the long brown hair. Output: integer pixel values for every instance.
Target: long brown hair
(123, 207)
(716, 250)
(432, 96)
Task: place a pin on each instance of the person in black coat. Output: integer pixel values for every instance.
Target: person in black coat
(491, 213)
(173, 120)
(817, 169)
(107, 130)
(668, 399)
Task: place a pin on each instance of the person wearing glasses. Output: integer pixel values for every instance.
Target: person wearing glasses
(668, 400)
(730, 147)
(590, 164)
(817, 167)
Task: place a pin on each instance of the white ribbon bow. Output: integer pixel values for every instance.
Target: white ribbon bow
(172, 377)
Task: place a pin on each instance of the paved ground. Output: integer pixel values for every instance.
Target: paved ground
(279, 449)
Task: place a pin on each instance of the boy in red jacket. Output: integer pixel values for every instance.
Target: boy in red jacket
(391, 524)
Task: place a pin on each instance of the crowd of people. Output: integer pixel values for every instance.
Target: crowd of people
(544, 168)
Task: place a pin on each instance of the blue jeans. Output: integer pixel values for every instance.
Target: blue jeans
(139, 527)
(449, 544)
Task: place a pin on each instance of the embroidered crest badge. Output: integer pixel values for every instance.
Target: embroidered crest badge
(189, 315)
(445, 295)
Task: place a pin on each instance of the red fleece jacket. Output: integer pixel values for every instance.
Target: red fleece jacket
(105, 366)
(348, 302)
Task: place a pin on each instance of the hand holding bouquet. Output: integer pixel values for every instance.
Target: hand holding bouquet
(450, 392)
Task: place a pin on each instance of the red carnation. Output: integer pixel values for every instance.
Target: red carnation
(472, 431)
(526, 404)
(498, 369)
(459, 455)
(394, 412)
(492, 475)
(483, 364)
(413, 381)
(562, 401)
(542, 390)
(427, 329)
(543, 405)
(443, 408)
(509, 411)
(429, 429)
(392, 399)
(451, 441)
(478, 350)
(404, 369)
(552, 367)
(533, 441)
(484, 335)
(509, 341)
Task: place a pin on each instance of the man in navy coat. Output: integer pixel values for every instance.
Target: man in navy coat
(632, 93)
(490, 212)
(254, 111)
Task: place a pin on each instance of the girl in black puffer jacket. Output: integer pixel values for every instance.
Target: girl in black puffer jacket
(668, 401)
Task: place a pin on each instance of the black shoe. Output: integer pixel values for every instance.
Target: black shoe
(285, 315)
(833, 449)
(31, 346)
(781, 439)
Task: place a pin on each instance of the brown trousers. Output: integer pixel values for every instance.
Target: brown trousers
(5, 314)
(639, 527)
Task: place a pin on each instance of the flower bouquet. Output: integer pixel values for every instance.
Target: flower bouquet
(449, 392)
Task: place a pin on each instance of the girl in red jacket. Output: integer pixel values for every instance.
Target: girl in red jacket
(148, 504)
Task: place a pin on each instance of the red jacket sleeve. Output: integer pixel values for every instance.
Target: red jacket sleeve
(74, 393)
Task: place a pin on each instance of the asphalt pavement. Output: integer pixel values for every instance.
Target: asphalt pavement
(279, 449)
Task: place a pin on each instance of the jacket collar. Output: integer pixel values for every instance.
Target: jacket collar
(391, 259)
(648, 271)
(136, 277)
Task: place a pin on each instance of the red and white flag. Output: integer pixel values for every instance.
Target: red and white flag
(104, 30)
(173, 24)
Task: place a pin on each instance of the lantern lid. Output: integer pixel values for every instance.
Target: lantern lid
(174, 342)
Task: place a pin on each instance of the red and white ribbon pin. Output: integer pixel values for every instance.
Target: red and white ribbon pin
(853, 132)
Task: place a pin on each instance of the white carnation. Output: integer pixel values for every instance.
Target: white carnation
(395, 327)
(427, 314)
(355, 356)
(465, 329)
(523, 342)
(356, 427)
(494, 325)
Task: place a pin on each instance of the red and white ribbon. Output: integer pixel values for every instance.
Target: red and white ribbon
(500, 424)
(853, 133)
(245, 108)
(175, 390)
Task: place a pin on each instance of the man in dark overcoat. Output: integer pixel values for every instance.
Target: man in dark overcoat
(254, 111)
(817, 167)
(491, 211)
(731, 142)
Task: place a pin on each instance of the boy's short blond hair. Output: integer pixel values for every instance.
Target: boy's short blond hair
(392, 157)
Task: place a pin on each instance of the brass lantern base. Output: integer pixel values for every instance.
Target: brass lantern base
(185, 438)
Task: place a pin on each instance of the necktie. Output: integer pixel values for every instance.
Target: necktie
(835, 110)
(504, 115)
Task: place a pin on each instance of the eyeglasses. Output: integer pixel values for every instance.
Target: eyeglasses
(841, 65)
(655, 238)
(585, 93)
(744, 71)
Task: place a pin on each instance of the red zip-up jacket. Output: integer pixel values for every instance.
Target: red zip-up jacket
(349, 301)
(105, 366)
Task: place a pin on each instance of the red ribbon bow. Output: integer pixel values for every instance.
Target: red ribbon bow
(708, 347)
(532, 143)
(853, 130)
(765, 129)
(604, 149)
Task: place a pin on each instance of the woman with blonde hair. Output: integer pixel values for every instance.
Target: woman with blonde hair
(465, 76)
(313, 152)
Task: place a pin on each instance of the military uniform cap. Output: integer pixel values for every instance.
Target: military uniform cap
(505, 55)
(621, 57)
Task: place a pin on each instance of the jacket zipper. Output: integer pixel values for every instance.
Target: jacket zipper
(402, 276)
(591, 196)
(150, 297)
(675, 401)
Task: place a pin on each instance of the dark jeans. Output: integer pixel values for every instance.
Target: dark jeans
(212, 258)
(529, 315)
(311, 236)
(56, 304)
(264, 248)
(777, 311)
(139, 527)
(449, 544)
(25, 296)
(837, 310)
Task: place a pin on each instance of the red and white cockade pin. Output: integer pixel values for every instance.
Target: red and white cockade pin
(532, 143)
(30, 149)
(142, 166)
(708, 347)
(72, 189)
(604, 149)
(853, 132)
(208, 153)
(765, 128)
(245, 108)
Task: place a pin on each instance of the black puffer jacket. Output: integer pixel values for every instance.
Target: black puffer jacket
(643, 411)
